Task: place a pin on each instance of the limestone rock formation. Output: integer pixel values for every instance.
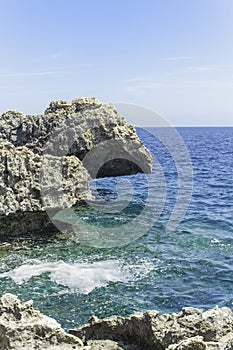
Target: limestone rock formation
(21, 206)
(54, 156)
(23, 327)
(81, 124)
(191, 329)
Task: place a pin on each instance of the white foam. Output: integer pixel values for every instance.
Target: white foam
(81, 276)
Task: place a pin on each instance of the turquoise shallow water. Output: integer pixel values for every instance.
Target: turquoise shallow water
(193, 266)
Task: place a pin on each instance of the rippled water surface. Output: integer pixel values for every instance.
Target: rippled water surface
(70, 279)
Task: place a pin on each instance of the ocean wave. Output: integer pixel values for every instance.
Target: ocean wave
(82, 277)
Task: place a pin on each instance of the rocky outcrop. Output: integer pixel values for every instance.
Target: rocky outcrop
(191, 329)
(24, 327)
(83, 123)
(46, 161)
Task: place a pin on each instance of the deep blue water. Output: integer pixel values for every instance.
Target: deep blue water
(72, 278)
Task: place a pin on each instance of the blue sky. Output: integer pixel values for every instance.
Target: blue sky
(172, 56)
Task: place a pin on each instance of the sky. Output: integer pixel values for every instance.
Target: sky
(174, 57)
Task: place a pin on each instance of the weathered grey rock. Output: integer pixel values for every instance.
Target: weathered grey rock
(23, 327)
(83, 124)
(54, 155)
(103, 345)
(191, 329)
(22, 209)
(195, 343)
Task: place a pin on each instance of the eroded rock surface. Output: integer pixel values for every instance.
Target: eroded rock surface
(191, 329)
(83, 123)
(21, 206)
(23, 327)
(56, 154)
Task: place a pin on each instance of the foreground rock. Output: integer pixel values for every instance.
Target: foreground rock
(191, 329)
(47, 161)
(24, 327)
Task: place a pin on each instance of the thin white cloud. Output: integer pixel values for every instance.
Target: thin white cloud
(59, 70)
(187, 70)
(196, 69)
(87, 65)
(207, 84)
(145, 86)
(176, 58)
(27, 74)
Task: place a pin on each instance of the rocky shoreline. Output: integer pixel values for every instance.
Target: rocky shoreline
(33, 149)
(24, 327)
(47, 161)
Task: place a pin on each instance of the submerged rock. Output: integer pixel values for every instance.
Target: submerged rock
(46, 161)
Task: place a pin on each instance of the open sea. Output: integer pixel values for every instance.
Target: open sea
(72, 277)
